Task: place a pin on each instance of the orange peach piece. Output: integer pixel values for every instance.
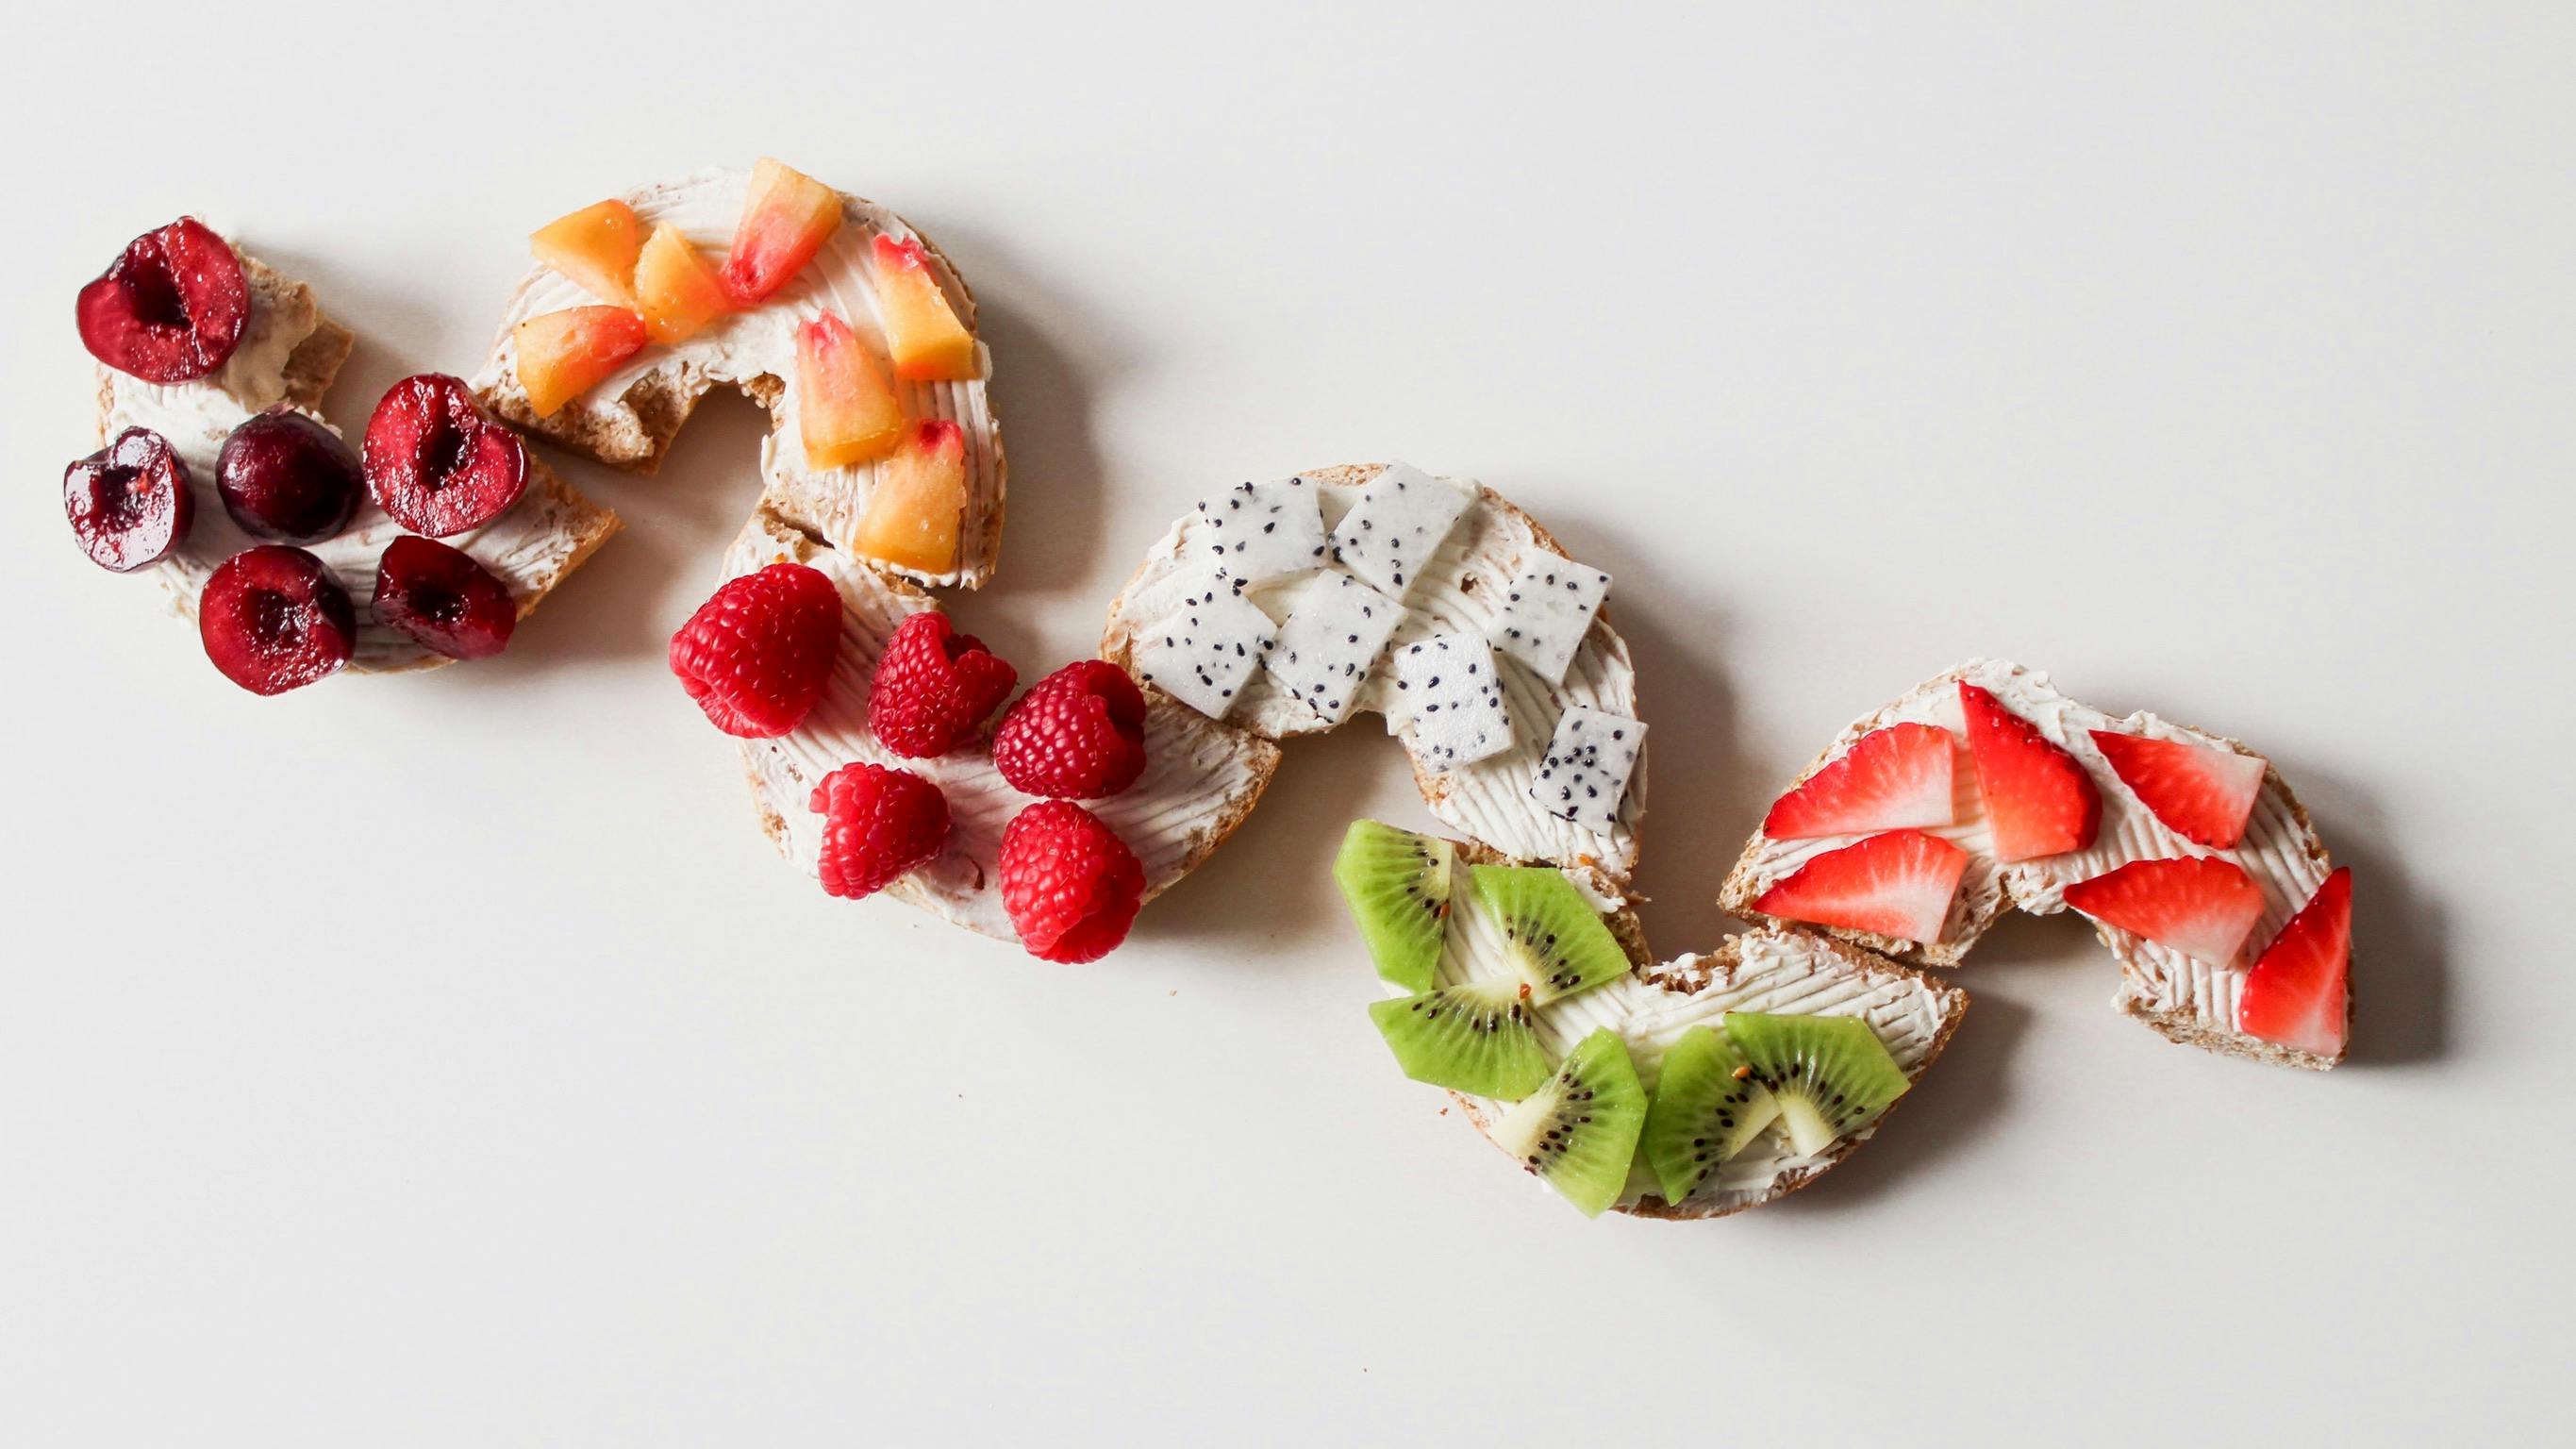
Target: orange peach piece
(920, 502)
(595, 247)
(845, 408)
(786, 218)
(922, 331)
(565, 354)
(675, 288)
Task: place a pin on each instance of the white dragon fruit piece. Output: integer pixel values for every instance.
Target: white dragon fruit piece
(1256, 532)
(1584, 774)
(1208, 650)
(1396, 526)
(1546, 612)
(1331, 641)
(1446, 689)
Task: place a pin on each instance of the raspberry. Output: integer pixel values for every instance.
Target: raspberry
(1071, 885)
(1078, 734)
(756, 656)
(877, 824)
(934, 687)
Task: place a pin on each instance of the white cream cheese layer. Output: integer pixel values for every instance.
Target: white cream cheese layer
(756, 350)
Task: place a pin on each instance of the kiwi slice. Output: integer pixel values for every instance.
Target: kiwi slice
(1830, 1074)
(1707, 1107)
(1396, 884)
(1475, 1036)
(1579, 1130)
(1561, 942)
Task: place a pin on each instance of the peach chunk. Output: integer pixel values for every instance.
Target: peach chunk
(920, 501)
(786, 218)
(845, 408)
(922, 331)
(565, 354)
(595, 247)
(675, 288)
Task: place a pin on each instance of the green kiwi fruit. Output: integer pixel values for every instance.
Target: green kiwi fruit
(1830, 1074)
(1396, 884)
(1707, 1107)
(1476, 1036)
(1578, 1131)
(1561, 942)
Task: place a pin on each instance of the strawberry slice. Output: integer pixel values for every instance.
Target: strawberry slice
(2296, 994)
(2038, 800)
(2201, 793)
(1898, 884)
(1897, 778)
(2202, 906)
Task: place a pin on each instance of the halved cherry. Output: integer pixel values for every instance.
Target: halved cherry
(441, 599)
(172, 307)
(283, 475)
(273, 619)
(130, 502)
(435, 463)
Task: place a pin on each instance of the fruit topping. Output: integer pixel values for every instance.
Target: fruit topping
(565, 354)
(1451, 698)
(1330, 642)
(439, 598)
(1898, 884)
(1256, 532)
(2201, 792)
(1583, 777)
(2200, 906)
(1898, 778)
(922, 331)
(1070, 884)
(1578, 1131)
(1207, 652)
(273, 620)
(283, 475)
(129, 502)
(1078, 734)
(595, 247)
(675, 288)
(172, 306)
(757, 655)
(1477, 1036)
(846, 411)
(1547, 612)
(877, 825)
(1557, 939)
(435, 464)
(934, 687)
(1830, 1074)
(2298, 990)
(2038, 799)
(1707, 1108)
(786, 218)
(1396, 526)
(918, 507)
(1396, 884)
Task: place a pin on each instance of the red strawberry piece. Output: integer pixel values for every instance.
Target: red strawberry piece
(934, 687)
(877, 824)
(2297, 993)
(1898, 884)
(273, 620)
(2038, 800)
(757, 655)
(1897, 778)
(2200, 792)
(442, 600)
(2199, 905)
(1078, 734)
(283, 475)
(172, 306)
(435, 464)
(1071, 885)
(129, 502)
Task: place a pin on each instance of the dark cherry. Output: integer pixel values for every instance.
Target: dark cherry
(435, 463)
(273, 620)
(283, 475)
(130, 502)
(171, 307)
(441, 599)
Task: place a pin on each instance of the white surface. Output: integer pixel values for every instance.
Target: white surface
(445, 1060)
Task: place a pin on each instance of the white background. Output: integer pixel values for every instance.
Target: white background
(446, 1060)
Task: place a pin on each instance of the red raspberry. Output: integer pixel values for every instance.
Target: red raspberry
(934, 687)
(756, 656)
(877, 824)
(1078, 734)
(1071, 885)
